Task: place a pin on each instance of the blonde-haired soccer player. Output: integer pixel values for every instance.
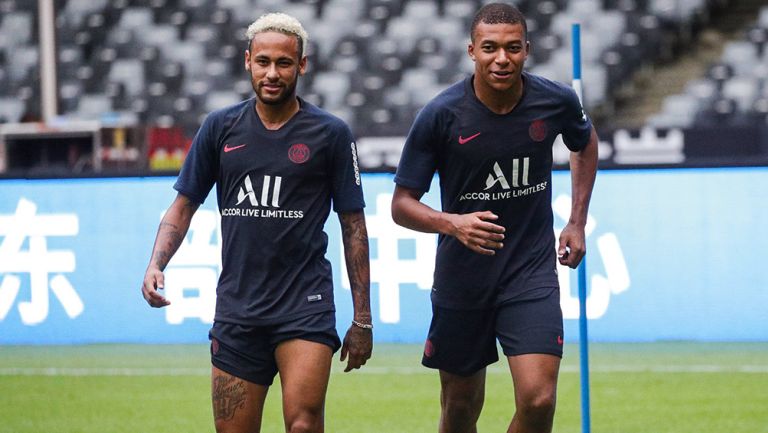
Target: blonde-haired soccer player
(278, 163)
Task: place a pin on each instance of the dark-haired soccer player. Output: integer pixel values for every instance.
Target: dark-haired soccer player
(490, 139)
(277, 162)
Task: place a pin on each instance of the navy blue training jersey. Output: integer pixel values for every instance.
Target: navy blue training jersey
(274, 192)
(501, 163)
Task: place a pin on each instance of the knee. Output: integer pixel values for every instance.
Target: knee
(228, 426)
(540, 405)
(462, 404)
(305, 423)
(302, 426)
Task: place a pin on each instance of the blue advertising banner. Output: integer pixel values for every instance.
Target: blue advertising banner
(673, 254)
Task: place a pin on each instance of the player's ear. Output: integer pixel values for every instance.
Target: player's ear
(471, 51)
(248, 60)
(303, 65)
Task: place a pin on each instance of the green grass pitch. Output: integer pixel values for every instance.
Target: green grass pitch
(636, 388)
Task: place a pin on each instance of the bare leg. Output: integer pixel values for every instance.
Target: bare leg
(535, 380)
(237, 403)
(461, 400)
(304, 367)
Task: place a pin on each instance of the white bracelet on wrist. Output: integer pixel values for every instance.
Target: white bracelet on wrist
(362, 325)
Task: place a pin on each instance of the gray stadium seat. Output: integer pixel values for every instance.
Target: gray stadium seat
(678, 111)
(423, 11)
(333, 86)
(219, 99)
(742, 90)
(130, 72)
(189, 54)
(762, 19)
(136, 18)
(741, 55)
(704, 90)
(157, 35)
(93, 107)
(16, 28)
(11, 109)
(76, 10)
(343, 12)
(24, 59)
(459, 9)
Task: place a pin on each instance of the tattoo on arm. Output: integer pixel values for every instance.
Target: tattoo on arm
(169, 240)
(191, 206)
(355, 238)
(228, 395)
(172, 230)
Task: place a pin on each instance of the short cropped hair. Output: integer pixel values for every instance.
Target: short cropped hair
(498, 13)
(279, 22)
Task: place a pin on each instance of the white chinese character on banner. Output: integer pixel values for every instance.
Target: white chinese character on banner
(37, 261)
(389, 269)
(615, 280)
(192, 275)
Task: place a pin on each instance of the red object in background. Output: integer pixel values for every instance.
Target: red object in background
(169, 139)
(167, 147)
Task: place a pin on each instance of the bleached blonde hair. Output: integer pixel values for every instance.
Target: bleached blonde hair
(279, 22)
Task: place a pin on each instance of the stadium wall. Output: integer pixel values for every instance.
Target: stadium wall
(674, 254)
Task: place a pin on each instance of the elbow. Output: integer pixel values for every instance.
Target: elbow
(399, 210)
(405, 207)
(397, 213)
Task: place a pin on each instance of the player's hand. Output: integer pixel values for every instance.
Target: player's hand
(572, 246)
(153, 280)
(477, 232)
(358, 345)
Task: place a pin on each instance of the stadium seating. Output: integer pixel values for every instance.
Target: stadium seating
(733, 91)
(372, 62)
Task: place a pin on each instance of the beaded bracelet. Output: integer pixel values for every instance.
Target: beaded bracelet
(362, 325)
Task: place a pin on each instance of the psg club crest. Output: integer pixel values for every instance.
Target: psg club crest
(298, 153)
(429, 348)
(538, 130)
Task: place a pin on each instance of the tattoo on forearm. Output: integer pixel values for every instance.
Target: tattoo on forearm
(355, 238)
(228, 395)
(171, 239)
(162, 258)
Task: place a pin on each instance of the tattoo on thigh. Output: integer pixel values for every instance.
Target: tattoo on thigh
(228, 396)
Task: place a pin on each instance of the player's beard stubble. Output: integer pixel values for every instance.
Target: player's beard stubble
(288, 91)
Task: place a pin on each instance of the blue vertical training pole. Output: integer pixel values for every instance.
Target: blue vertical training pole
(582, 270)
(584, 347)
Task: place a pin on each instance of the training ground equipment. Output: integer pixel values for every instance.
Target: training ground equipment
(582, 269)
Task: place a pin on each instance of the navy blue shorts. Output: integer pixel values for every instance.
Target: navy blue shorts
(248, 352)
(463, 342)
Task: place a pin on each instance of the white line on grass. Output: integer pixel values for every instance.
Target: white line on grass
(106, 371)
(102, 371)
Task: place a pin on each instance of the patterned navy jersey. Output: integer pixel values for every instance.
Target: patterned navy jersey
(501, 163)
(274, 192)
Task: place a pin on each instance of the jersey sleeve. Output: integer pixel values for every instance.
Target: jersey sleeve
(418, 160)
(200, 169)
(577, 126)
(346, 185)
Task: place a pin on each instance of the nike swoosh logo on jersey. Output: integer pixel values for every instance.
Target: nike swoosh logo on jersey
(227, 148)
(465, 140)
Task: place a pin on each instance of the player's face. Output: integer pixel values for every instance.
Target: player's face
(274, 64)
(499, 52)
